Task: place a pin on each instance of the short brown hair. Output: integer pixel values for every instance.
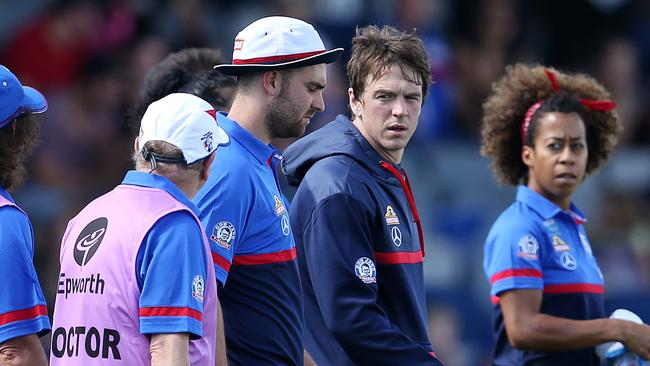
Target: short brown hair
(17, 140)
(521, 87)
(375, 50)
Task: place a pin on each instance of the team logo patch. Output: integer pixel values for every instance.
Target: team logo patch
(396, 236)
(207, 141)
(89, 240)
(391, 216)
(239, 43)
(223, 234)
(560, 245)
(365, 270)
(286, 228)
(585, 243)
(279, 206)
(198, 288)
(551, 226)
(528, 247)
(567, 261)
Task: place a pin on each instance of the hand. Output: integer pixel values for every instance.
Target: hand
(636, 338)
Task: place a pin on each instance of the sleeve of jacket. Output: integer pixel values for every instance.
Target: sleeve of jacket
(338, 244)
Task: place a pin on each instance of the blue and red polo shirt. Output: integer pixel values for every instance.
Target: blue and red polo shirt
(246, 219)
(23, 310)
(534, 244)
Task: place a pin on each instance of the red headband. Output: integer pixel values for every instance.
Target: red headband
(597, 105)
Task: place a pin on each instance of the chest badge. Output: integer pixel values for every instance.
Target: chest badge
(568, 262)
(560, 245)
(396, 236)
(391, 216)
(279, 206)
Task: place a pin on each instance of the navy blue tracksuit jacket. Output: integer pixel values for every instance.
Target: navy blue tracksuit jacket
(359, 252)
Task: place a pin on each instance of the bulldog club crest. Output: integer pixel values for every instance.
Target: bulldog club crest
(223, 234)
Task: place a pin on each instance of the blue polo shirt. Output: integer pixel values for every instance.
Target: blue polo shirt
(247, 223)
(23, 310)
(534, 244)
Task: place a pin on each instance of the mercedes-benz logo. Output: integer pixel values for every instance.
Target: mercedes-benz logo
(396, 235)
(286, 229)
(568, 261)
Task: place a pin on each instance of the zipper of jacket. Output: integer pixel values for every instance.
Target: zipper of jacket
(406, 186)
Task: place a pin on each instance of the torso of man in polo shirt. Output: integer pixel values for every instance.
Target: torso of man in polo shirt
(536, 245)
(247, 223)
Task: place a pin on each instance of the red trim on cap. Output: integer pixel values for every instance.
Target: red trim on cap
(171, 311)
(213, 113)
(267, 258)
(220, 261)
(24, 314)
(574, 287)
(399, 257)
(273, 59)
(509, 273)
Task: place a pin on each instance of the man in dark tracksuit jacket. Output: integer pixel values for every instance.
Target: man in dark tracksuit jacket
(357, 231)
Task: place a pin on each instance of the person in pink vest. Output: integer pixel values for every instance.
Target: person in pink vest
(23, 311)
(137, 285)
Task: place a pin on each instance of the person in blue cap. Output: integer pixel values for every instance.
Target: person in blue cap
(23, 311)
(547, 131)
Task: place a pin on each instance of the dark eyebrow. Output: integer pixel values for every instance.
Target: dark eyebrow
(315, 85)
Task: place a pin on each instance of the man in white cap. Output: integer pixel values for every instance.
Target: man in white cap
(280, 67)
(23, 311)
(137, 283)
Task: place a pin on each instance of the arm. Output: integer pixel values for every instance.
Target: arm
(169, 349)
(527, 328)
(22, 351)
(337, 236)
(222, 355)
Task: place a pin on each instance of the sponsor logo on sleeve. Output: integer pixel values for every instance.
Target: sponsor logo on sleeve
(391, 216)
(223, 234)
(198, 288)
(528, 247)
(365, 270)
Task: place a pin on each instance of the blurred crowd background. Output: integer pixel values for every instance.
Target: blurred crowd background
(89, 58)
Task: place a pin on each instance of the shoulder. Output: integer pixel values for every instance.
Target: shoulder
(338, 174)
(517, 222)
(11, 216)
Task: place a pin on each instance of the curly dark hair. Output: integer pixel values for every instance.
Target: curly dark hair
(17, 140)
(521, 87)
(187, 71)
(376, 49)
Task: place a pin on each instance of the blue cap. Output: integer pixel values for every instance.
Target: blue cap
(16, 99)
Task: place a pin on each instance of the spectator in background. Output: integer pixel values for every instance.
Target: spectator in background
(280, 67)
(360, 240)
(187, 71)
(547, 131)
(23, 311)
(122, 246)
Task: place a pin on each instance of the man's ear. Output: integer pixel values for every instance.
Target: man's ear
(136, 145)
(207, 164)
(355, 104)
(272, 81)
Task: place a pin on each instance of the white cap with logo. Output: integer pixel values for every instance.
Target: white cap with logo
(186, 121)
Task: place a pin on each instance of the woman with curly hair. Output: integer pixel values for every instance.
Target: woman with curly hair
(23, 311)
(546, 131)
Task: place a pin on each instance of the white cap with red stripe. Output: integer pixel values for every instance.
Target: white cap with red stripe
(185, 121)
(277, 42)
